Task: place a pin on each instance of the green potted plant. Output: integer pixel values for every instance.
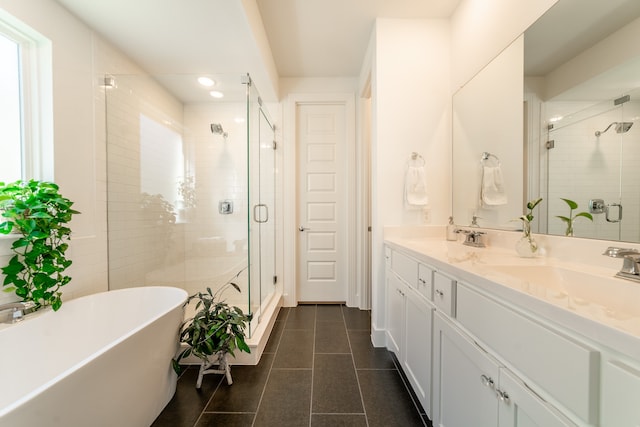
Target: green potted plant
(38, 214)
(214, 332)
(568, 220)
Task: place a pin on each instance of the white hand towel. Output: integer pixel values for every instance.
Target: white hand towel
(415, 186)
(492, 191)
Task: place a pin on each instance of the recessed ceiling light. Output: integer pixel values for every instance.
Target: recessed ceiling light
(216, 94)
(206, 81)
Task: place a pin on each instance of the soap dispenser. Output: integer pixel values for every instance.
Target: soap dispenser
(451, 230)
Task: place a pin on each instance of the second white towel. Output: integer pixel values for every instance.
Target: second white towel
(492, 191)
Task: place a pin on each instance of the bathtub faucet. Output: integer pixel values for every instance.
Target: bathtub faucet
(18, 310)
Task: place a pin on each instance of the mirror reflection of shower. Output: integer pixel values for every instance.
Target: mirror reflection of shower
(621, 127)
(216, 129)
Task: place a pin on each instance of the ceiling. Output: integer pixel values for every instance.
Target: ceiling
(569, 28)
(328, 38)
(296, 38)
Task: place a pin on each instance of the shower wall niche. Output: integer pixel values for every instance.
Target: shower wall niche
(191, 187)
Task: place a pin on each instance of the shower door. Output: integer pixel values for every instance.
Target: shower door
(261, 205)
(591, 166)
(267, 197)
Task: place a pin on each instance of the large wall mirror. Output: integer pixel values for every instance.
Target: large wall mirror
(581, 124)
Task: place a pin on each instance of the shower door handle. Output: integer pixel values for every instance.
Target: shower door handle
(257, 213)
(606, 212)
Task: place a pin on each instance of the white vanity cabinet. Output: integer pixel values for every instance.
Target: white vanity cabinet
(396, 296)
(416, 360)
(409, 322)
(465, 378)
(560, 367)
(475, 360)
(474, 389)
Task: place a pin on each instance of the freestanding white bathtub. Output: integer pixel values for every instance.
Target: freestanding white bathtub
(101, 360)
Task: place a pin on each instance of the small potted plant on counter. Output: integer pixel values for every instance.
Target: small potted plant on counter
(527, 246)
(215, 331)
(39, 215)
(569, 220)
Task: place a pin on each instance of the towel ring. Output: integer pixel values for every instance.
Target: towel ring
(417, 159)
(486, 156)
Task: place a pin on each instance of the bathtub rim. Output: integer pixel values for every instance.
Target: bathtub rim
(78, 365)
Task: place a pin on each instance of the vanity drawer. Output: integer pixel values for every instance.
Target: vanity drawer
(425, 280)
(405, 267)
(444, 293)
(559, 365)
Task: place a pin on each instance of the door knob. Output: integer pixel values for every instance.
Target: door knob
(301, 228)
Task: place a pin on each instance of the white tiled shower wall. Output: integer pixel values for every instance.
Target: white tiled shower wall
(140, 232)
(583, 167)
(155, 238)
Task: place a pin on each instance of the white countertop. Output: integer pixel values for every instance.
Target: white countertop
(595, 305)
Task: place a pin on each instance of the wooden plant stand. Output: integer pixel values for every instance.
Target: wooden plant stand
(223, 368)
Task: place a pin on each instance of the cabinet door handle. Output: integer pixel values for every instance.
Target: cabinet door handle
(421, 280)
(486, 381)
(502, 395)
(439, 293)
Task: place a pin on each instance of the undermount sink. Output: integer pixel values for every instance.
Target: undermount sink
(618, 298)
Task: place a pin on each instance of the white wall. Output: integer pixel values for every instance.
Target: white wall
(411, 108)
(80, 60)
(481, 29)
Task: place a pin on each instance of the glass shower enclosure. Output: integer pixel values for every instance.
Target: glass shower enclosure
(191, 186)
(593, 158)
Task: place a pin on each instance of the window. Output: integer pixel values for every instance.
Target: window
(26, 114)
(10, 117)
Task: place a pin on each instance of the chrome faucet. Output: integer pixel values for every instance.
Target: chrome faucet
(473, 237)
(630, 262)
(18, 310)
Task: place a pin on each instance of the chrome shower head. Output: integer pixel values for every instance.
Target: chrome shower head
(621, 127)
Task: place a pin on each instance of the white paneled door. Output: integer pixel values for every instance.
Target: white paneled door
(322, 190)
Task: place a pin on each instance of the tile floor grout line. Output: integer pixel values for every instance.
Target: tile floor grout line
(355, 369)
(396, 363)
(208, 400)
(313, 362)
(275, 354)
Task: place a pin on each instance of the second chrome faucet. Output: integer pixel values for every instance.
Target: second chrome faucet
(630, 262)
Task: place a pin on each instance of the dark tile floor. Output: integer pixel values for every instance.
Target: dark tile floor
(319, 369)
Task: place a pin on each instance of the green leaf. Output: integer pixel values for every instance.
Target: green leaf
(533, 203)
(564, 219)
(40, 214)
(242, 345)
(586, 215)
(176, 366)
(572, 205)
(6, 227)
